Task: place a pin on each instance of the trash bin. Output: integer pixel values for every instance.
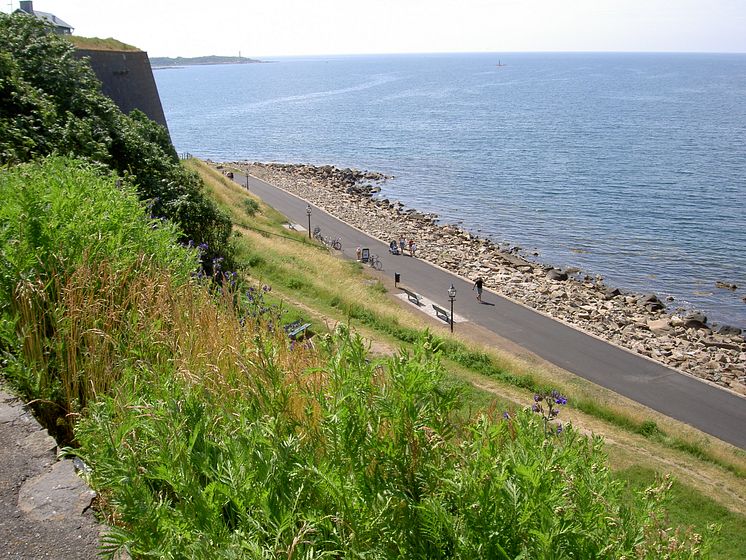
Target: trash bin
(365, 254)
(397, 278)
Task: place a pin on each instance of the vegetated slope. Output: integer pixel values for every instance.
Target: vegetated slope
(52, 103)
(69, 240)
(210, 434)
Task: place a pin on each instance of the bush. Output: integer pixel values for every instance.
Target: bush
(250, 206)
(55, 105)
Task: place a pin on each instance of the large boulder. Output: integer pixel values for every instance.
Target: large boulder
(556, 274)
(659, 326)
(651, 303)
(695, 320)
(728, 330)
(611, 293)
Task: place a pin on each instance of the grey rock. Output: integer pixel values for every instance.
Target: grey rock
(611, 293)
(651, 303)
(557, 275)
(695, 320)
(659, 326)
(55, 495)
(40, 444)
(728, 330)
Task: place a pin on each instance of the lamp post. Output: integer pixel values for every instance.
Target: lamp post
(308, 213)
(247, 180)
(452, 296)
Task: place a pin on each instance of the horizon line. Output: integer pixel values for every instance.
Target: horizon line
(427, 53)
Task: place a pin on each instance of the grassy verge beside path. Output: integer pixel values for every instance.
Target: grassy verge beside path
(304, 274)
(634, 432)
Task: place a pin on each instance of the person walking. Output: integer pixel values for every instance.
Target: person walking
(402, 243)
(478, 285)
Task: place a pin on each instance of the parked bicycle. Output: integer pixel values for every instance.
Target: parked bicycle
(375, 262)
(328, 241)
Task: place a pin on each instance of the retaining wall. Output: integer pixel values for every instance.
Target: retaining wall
(127, 78)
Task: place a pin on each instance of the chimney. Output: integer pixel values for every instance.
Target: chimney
(27, 6)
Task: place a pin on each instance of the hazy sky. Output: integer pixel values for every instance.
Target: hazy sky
(305, 27)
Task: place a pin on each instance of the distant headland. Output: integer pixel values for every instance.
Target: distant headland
(165, 62)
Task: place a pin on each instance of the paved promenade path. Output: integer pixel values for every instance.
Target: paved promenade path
(706, 407)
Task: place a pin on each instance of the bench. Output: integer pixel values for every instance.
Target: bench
(442, 313)
(413, 297)
(297, 329)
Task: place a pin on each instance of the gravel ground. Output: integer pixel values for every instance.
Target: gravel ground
(44, 505)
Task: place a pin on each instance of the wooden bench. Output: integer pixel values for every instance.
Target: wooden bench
(413, 297)
(297, 329)
(442, 313)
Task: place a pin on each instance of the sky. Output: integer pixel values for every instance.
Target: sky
(267, 28)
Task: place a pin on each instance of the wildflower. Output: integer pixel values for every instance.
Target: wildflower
(266, 288)
(506, 415)
(535, 408)
(559, 429)
(537, 398)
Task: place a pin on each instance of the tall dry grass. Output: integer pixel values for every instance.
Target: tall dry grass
(106, 322)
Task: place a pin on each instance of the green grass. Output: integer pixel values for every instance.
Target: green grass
(97, 44)
(361, 308)
(210, 434)
(686, 507)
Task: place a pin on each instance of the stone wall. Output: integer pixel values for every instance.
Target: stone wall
(127, 78)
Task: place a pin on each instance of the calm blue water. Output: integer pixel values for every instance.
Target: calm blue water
(632, 166)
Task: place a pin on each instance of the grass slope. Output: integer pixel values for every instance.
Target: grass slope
(703, 468)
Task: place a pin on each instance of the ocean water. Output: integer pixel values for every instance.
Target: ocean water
(631, 166)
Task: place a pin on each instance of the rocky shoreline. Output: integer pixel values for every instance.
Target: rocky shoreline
(641, 323)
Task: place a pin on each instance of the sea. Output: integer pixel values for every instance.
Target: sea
(628, 166)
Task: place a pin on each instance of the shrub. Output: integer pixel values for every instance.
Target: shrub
(55, 105)
(250, 206)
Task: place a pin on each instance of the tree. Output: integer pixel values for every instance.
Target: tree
(51, 103)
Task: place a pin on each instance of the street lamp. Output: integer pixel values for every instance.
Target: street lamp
(452, 296)
(308, 213)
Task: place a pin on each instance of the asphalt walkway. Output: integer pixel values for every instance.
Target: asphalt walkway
(706, 407)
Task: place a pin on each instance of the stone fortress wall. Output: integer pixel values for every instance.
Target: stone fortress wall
(127, 78)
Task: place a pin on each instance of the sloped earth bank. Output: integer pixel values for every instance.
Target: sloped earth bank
(641, 323)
